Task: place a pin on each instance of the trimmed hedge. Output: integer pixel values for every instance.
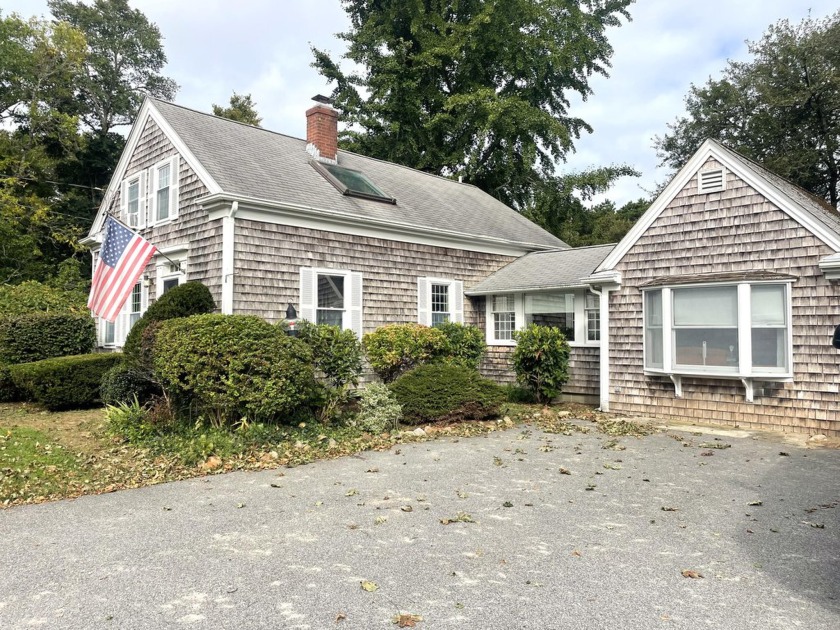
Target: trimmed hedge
(65, 382)
(36, 336)
(446, 392)
(229, 367)
(125, 382)
(192, 298)
(396, 348)
(8, 391)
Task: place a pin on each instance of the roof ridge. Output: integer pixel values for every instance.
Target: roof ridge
(571, 249)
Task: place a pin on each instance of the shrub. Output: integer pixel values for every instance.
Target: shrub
(396, 348)
(127, 382)
(379, 409)
(192, 298)
(464, 344)
(36, 336)
(130, 420)
(450, 392)
(63, 294)
(518, 394)
(336, 353)
(541, 360)
(65, 382)
(8, 391)
(229, 367)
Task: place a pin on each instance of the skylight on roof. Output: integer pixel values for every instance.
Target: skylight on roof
(351, 182)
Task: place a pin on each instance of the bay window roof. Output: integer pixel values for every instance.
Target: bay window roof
(725, 277)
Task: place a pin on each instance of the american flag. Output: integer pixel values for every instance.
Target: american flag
(123, 257)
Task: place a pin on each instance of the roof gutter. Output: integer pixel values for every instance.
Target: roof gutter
(559, 287)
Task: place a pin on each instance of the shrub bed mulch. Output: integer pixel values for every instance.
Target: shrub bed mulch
(49, 456)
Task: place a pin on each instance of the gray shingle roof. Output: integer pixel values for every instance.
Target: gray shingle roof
(815, 207)
(544, 270)
(264, 165)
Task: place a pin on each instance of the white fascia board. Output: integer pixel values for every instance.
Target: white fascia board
(524, 289)
(147, 110)
(830, 266)
(710, 149)
(310, 217)
(607, 277)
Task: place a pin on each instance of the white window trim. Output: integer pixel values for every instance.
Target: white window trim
(745, 372)
(122, 324)
(173, 191)
(164, 271)
(581, 324)
(456, 299)
(353, 304)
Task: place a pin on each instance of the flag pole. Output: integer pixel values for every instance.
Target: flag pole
(158, 252)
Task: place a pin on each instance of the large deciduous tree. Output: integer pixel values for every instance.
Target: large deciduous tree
(472, 88)
(241, 109)
(124, 62)
(780, 108)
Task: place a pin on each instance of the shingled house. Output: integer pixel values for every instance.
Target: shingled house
(718, 306)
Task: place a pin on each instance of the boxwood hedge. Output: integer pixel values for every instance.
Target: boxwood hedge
(36, 336)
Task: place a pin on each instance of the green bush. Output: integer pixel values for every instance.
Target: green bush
(8, 391)
(65, 382)
(336, 353)
(518, 394)
(378, 409)
(130, 420)
(192, 298)
(63, 294)
(229, 367)
(464, 344)
(127, 382)
(396, 348)
(36, 336)
(541, 360)
(446, 392)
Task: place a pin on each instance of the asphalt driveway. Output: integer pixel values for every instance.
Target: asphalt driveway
(604, 546)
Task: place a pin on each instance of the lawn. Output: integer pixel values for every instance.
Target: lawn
(48, 456)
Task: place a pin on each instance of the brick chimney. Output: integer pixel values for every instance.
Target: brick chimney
(322, 127)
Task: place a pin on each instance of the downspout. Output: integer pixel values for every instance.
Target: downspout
(228, 244)
(604, 351)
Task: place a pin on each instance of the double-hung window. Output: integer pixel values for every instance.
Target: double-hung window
(736, 330)
(503, 309)
(331, 305)
(132, 204)
(163, 175)
(593, 317)
(135, 303)
(441, 310)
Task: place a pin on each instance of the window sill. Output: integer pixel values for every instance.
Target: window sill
(584, 344)
(501, 342)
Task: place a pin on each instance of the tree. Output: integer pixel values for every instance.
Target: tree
(560, 207)
(125, 57)
(781, 108)
(472, 88)
(242, 109)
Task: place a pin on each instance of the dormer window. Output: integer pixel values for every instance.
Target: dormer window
(351, 183)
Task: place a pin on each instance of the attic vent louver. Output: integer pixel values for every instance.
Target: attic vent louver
(711, 181)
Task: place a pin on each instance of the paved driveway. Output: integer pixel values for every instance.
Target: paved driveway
(602, 547)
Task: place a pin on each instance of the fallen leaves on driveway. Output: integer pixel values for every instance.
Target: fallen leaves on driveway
(404, 620)
(461, 517)
(369, 586)
(688, 573)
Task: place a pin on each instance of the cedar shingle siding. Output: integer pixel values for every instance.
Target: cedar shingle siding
(191, 228)
(732, 231)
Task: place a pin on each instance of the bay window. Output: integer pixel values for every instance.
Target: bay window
(729, 330)
(552, 309)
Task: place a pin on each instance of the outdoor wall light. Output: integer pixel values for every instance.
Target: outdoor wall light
(291, 320)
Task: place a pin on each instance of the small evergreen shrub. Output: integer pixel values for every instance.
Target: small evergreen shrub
(336, 353)
(378, 409)
(541, 360)
(130, 421)
(228, 367)
(446, 392)
(393, 349)
(8, 391)
(519, 394)
(36, 336)
(127, 382)
(65, 382)
(191, 298)
(464, 344)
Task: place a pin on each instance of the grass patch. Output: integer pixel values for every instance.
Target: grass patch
(32, 466)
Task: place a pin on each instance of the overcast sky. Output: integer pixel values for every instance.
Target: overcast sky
(262, 47)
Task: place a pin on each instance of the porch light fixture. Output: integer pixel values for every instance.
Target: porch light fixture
(291, 320)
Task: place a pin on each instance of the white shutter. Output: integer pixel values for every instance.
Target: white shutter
(141, 201)
(457, 293)
(174, 181)
(424, 315)
(355, 309)
(308, 291)
(123, 212)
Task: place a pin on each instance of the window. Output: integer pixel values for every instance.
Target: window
(504, 317)
(135, 305)
(740, 330)
(108, 333)
(552, 309)
(162, 192)
(440, 304)
(351, 183)
(593, 317)
(330, 300)
(132, 206)
(169, 284)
